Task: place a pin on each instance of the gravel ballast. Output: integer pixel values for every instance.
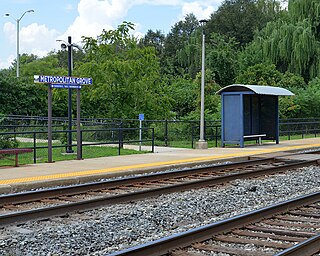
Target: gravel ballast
(113, 228)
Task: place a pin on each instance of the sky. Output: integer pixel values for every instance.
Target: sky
(57, 19)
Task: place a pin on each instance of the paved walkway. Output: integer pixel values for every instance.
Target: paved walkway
(75, 171)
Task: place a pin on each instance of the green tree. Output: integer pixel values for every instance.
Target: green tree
(184, 94)
(240, 18)
(126, 77)
(179, 34)
(220, 55)
(305, 103)
(19, 97)
(292, 42)
(262, 74)
(155, 39)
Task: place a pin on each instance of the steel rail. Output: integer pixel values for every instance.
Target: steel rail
(82, 188)
(307, 247)
(167, 244)
(43, 213)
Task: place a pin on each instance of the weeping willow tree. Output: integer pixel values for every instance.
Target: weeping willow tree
(292, 43)
(301, 10)
(220, 51)
(189, 56)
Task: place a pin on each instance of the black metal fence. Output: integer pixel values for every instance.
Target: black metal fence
(102, 132)
(94, 143)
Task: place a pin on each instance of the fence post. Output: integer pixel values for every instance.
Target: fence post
(81, 145)
(192, 133)
(289, 133)
(34, 148)
(121, 137)
(216, 136)
(166, 133)
(119, 140)
(152, 140)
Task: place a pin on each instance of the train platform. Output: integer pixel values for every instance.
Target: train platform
(36, 176)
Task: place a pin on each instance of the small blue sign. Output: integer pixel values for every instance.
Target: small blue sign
(65, 86)
(63, 80)
(141, 117)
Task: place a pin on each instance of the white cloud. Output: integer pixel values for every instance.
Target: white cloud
(9, 30)
(69, 7)
(7, 63)
(106, 13)
(93, 17)
(162, 2)
(35, 38)
(201, 9)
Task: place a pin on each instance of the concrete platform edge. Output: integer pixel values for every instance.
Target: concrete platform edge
(35, 185)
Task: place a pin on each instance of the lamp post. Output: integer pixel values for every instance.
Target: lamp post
(69, 45)
(18, 31)
(202, 144)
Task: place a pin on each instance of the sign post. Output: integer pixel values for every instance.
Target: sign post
(69, 83)
(49, 124)
(79, 147)
(141, 118)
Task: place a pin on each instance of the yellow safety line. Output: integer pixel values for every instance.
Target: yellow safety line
(125, 168)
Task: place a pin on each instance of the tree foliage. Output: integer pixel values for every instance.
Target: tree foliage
(240, 18)
(180, 33)
(292, 43)
(20, 97)
(126, 77)
(247, 41)
(219, 54)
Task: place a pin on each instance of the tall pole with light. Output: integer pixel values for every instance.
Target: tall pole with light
(69, 45)
(18, 32)
(202, 144)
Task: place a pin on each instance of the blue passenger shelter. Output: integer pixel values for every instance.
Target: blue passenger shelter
(250, 112)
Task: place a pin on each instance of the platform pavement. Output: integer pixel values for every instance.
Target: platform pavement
(35, 176)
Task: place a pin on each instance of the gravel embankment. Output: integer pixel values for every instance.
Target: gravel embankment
(113, 228)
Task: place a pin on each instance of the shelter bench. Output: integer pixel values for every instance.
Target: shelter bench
(14, 151)
(256, 136)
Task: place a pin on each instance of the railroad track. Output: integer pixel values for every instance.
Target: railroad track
(21, 207)
(287, 228)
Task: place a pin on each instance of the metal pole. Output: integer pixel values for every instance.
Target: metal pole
(140, 134)
(69, 148)
(34, 148)
(18, 55)
(79, 154)
(18, 31)
(202, 91)
(166, 134)
(202, 144)
(49, 124)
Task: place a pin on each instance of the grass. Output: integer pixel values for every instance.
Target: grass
(212, 144)
(58, 153)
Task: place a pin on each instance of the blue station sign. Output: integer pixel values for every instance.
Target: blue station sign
(63, 80)
(141, 117)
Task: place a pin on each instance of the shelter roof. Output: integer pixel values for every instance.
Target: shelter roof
(257, 89)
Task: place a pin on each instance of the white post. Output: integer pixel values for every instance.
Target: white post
(140, 134)
(202, 144)
(18, 55)
(202, 91)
